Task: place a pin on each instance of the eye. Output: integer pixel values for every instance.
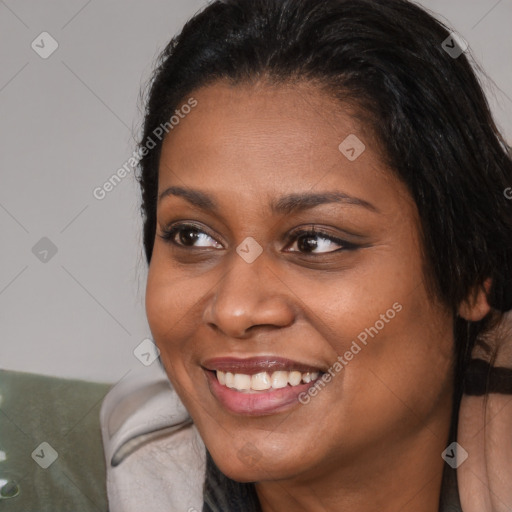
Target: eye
(310, 241)
(188, 235)
(313, 241)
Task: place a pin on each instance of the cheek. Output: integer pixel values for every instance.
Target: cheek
(169, 300)
(396, 345)
(161, 304)
(403, 374)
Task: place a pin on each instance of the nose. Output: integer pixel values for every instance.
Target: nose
(248, 297)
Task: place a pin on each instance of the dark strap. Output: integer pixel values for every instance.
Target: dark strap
(482, 378)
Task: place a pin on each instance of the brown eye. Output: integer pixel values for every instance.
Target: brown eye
(187, 235)
(318, 242)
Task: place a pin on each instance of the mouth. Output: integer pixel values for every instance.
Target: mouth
(263, 381)
(259, 385)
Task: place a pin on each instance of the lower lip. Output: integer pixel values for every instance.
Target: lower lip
(258, 403)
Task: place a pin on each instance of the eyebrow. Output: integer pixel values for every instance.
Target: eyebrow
(287, 204)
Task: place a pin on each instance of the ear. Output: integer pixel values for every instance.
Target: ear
(476, 306)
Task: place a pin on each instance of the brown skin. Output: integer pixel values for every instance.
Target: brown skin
(371, 440)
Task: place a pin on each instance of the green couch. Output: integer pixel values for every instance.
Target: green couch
(64, 413)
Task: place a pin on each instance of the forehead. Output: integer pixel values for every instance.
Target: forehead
(255, 141)
(290, 119)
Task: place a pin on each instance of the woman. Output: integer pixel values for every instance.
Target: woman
(328, 242)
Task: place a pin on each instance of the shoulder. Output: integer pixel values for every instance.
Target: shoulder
(154, 456)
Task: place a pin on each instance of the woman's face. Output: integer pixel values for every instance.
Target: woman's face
(243, 292)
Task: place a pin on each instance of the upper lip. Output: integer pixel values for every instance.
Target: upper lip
(252, 365)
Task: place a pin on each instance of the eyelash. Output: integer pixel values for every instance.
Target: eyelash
(169, 234)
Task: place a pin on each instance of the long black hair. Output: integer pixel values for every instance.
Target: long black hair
(389, 59)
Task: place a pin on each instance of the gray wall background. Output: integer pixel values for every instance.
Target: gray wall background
(72, 272)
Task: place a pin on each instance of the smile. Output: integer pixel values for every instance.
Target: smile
(258, 385)
(263, 381)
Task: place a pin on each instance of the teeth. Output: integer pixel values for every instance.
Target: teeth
(279, 380)
(230, 380)
(294, 378)
(242, 381)
(260, 381)
(263, 381)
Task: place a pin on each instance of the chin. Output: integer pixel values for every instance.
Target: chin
(249, 464)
